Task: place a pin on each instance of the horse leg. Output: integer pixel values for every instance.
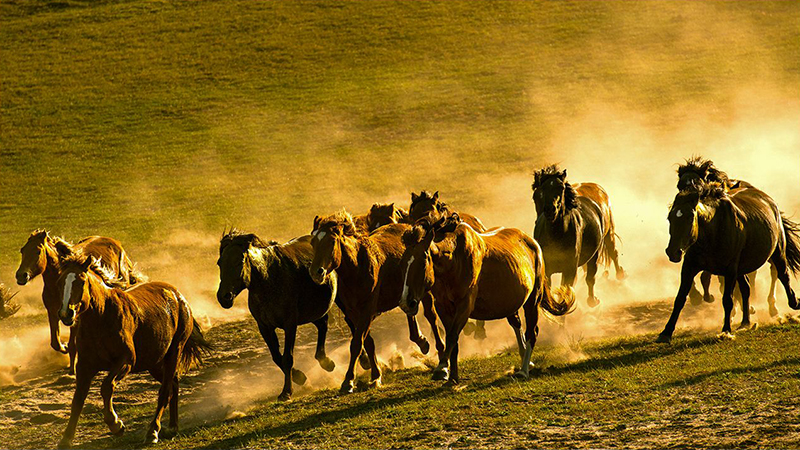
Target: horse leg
(55, 332)
(591, 271)
(72, 349)
(375, 375)
(320, 355)
(287, 363)
(705, 280)
(516, 324)
(744, 288)
(363, 359)
(611, 245)
(531, 333)
(271, 338)
(453, 329)
(430, 314)
(779, 263)
(356, 345)
(727, 304)
(454, 379)
(173, 405)
(773, 311)
(117, 373)
(169, 374)
(687, 278)
(416, 336)
(83, 380)
(480, 330)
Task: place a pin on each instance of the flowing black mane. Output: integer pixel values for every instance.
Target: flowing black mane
(697, 171)
(235, 237)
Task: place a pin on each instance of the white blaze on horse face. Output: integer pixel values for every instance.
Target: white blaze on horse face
(67, 291)
(404, 296)
(318, 234)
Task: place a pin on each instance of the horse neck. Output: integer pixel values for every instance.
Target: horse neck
(51, 267)
(259, 259)
(99, 295)
(351, 246)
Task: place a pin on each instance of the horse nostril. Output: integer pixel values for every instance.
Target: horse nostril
(321, 271)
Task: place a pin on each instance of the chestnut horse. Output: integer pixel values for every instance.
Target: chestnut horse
(729, 235)
(281, 294)
(148, 327)
(695, 174)
(369, 277)
(574, 226)
(379, 214)
(481, 276)
(429, 206)
(41, 255)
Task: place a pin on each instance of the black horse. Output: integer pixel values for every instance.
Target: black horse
(574, 227)
(729, 235)
(695, 174)
(281, 294)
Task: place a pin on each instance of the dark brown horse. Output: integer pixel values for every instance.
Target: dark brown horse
(379, 214)
(41, 255)
(281, 294)
(481, 276)
(426, 205)
(147, 328)
(369, 281)
(574, 227)
(729, 235)
(695, 174)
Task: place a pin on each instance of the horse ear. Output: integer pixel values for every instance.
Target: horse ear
(374, 207)
(436, 195)
(316, 222)
(563, 174)
(414, 197)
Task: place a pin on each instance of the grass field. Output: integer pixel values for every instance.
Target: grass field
(162, 123)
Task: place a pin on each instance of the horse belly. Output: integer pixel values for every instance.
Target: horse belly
(501, 294)
(151, 345)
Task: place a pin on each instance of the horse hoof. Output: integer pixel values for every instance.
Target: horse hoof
(64, 444)
(469, 328)
(664, 338)
(424, 346)
(520, 375)
(285, 397)
(480, 333)
(605, 274)
(375, 384)
(440, 374)
(327, 364)
(347, 388)
(708, 298)
(726, 336)
(120, 431)
(454, 385)
(363, 360)
(773, 311)
(299, 377)
(621, 275)
(752, 310)
(794, 304)
(592, 302)
(747, 326)
(151, 438)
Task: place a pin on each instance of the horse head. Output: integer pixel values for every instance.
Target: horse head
(417, 266)
(234, 265)
(425, 205)
(327, 239)
(683, 224)
(384, 214)
(74, 287)
(33, 257)
(552, 194)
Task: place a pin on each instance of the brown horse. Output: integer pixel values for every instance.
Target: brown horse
(695, 174)
(379, 214)
(429, 206)
(729, 235)
(574, 226)
(369, 281)
(281, 294)
(41, 255)
(146, 328)
(481, 276)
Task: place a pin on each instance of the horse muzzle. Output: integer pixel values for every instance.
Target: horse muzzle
(409, 306)
(67, 317)
(318, 276)
(23, 278)
(674, 255)
(225, 299)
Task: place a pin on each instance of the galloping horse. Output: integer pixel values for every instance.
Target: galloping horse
(379, 214)
(146, 328)
(574, 227)
(729, 235)
(695, 174)
(369, 281)
(281, 294)
(481, 276)
(41, 255)
(429, 206)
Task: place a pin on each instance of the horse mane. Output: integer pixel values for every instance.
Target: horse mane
(78, 258)
(236, 237)
(341, 218)
(541, 175)
(704, 169)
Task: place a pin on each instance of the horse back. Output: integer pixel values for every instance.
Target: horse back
(110, 252)
(597, 194)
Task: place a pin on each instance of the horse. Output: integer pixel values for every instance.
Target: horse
(380, 214)
(148, 327)
(729, 234)
(428, 205)
(369, 273)
(695, 174)
(574, 227)
(485, 276)
(281, 294)
(41, 255)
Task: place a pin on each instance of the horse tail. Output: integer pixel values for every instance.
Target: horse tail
(558, 302)
(792, 231)
(195, 348)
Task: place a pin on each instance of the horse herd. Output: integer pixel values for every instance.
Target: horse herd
(391, 257)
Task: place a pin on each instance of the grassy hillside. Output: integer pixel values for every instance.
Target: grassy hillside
(134, 118)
